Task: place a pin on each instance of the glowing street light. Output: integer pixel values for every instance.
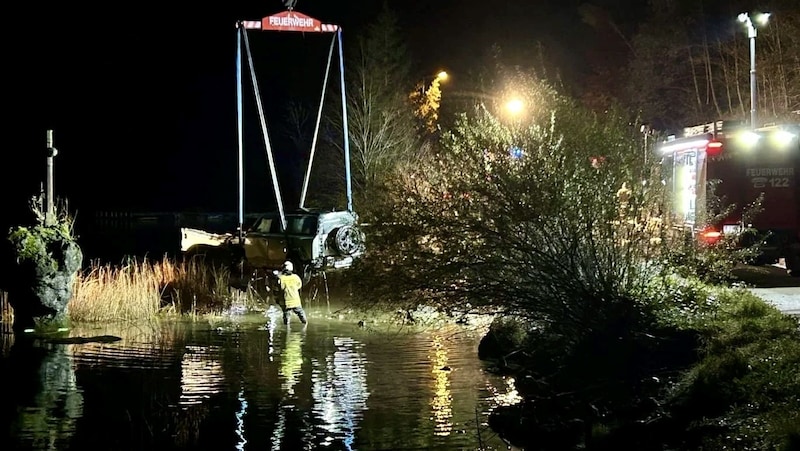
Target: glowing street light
(761, 19)
(515, 106)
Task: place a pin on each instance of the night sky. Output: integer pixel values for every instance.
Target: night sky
(142, 98)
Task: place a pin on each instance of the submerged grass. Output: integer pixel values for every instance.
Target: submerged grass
(140, 290)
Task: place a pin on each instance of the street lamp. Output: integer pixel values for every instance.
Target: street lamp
(515, 106)
(761, 19)
(435, 83)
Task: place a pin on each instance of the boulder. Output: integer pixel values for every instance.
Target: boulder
(46, 262)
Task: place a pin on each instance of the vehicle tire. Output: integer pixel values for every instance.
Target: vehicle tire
(258, 281)
(304, 271)
(301, 269)
(346, 240)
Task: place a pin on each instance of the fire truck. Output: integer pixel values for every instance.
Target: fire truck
(742, 165)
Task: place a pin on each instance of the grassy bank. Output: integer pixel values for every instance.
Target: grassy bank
(744, 392)
(699, 367)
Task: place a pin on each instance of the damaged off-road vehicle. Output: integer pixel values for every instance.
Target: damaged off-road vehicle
(314, 240)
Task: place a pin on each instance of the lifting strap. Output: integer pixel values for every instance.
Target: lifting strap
(316, 127)
(264, 131)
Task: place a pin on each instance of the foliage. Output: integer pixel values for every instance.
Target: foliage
(713, 262)
(426, 99)
(37, 244)
(473, 217)
(745, 391)
(32, 243)
(714, 371)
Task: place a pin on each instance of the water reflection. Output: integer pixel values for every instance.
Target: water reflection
(251, 383)
(42, 389)
(340, 391)
(505, 395)
(292, 360)
(442, 398)
(241, 440)
(291, 365)
(201, 374)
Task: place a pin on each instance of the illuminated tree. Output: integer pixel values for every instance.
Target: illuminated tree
(426, 99)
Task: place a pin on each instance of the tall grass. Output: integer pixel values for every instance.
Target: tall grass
(105, 292)
(143, 289)
(6, 312)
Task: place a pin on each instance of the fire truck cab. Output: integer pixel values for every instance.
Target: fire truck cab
(742, 164)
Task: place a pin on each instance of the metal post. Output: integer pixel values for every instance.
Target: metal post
(49, 215)
(239, 31)
(753, 83)
(645, 148)
(345, 129)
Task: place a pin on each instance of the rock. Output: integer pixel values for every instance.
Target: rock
(47, 260)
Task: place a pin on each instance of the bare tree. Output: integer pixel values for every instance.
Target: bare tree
(657, 82)
(381, 124)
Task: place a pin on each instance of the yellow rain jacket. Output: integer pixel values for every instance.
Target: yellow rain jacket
(290, 284)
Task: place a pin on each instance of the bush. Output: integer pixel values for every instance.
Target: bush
(547, 219)
(713, 263)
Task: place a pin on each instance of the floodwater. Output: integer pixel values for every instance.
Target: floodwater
(248, 382)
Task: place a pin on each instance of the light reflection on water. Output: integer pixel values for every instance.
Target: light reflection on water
(340, 391)
(442, 398)
(252, 383)
(201, 374)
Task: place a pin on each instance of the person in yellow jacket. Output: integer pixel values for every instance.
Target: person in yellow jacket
(289, 285)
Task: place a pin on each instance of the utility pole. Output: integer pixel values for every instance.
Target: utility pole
(761, 19)
(646, 130)
(49, 215)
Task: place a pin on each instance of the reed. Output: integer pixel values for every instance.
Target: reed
(6, 311)
(140, 290)
(195, 287)
(131, 291)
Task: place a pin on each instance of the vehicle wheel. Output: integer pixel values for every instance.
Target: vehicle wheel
(347, 240)
(258, 281)
(301, 269)
(304, 271)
